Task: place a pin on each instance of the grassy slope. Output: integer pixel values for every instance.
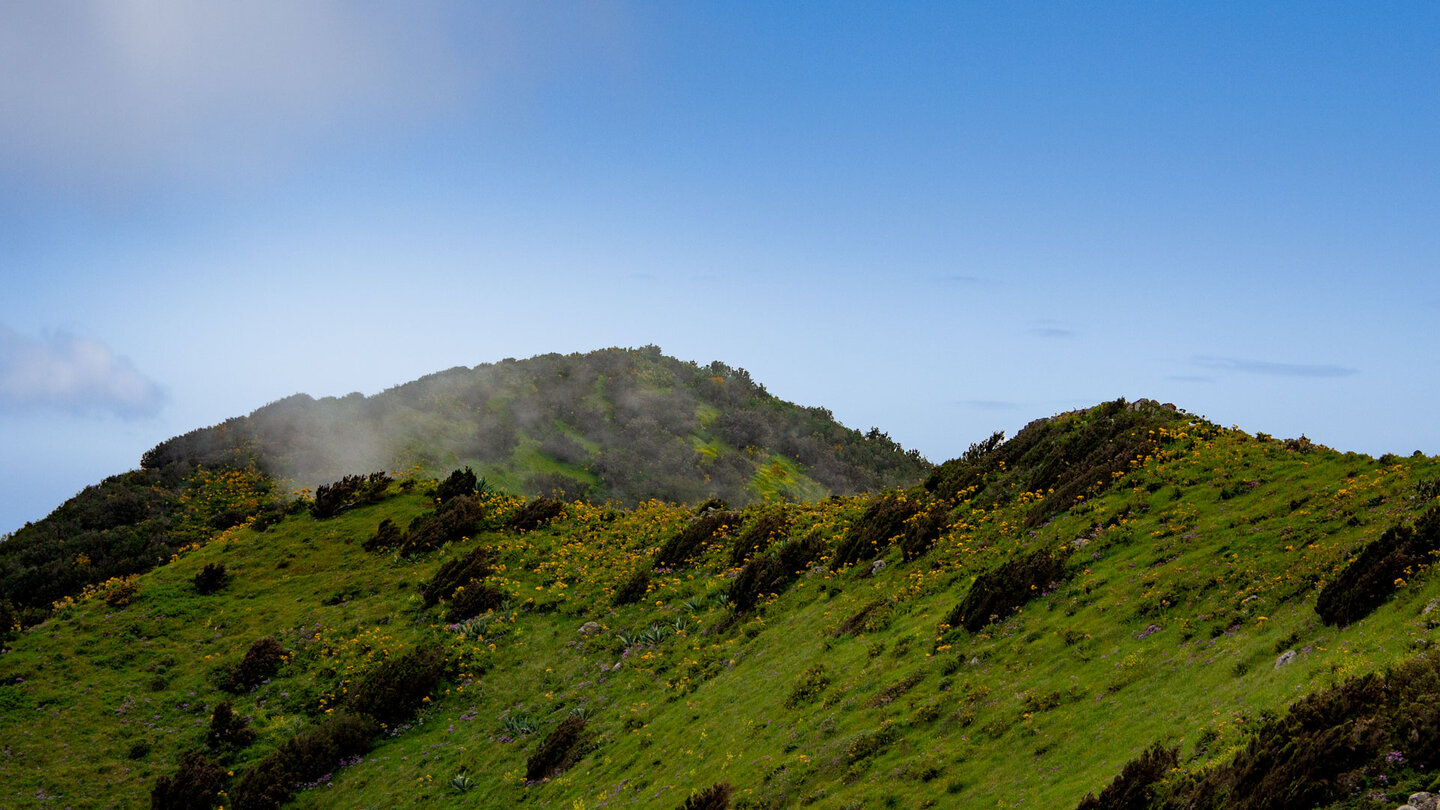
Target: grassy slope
(1169, 630)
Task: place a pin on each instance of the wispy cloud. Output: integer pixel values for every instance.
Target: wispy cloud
(1269, 369)
(71, 375)
(1051, 332)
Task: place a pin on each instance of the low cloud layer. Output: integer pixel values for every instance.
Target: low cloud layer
(1270, 369)
(71, 375)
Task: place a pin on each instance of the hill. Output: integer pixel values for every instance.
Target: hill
(1124, 601)
(613, 425)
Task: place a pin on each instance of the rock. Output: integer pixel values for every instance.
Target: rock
(876, 567)
(1285, 658)
(1424, 801)
(589, 628)
(1431, 606)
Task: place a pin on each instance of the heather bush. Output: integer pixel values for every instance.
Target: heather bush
(692, 539)
(228, 729)
(394, 690)
(350, 491)
(536, 513)
(471, 600)
(881, 523)
(633, 589)
(194, 786)
(715, 797)
(456, 518)
(459, 484)
(261, 661)
(210, 579)
(1001, 591)
(1328, 744)
(1134, 787)
(561, 749)
(922, 530)
(306, 757)
(457, 572)
(387, 536)
(1399, 554)
(771, 572)
(759, 534)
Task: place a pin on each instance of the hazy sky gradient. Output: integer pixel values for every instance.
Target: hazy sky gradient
(938, 219)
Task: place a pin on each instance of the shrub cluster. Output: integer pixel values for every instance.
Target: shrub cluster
(536, 513)
(690, 540)
(812, 684)
(459, 484)
(1328, 744)
(393, 691)
(306, 757)
(759, 534)
(1001, 591)
(715, 797)
(387, 536)
(561, 749)
(194, 786)
(634, 587)
(1381, 568)
(456, 518)
(771, 572)
(922, 530)
(261, 661)
(871, 617)
(228, 729)
(1134, 787)
(471, 600)
(882, 522)
(457, 572)
(210, 579)
(350, 491)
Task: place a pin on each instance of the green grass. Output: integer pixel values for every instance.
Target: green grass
(1167, 630)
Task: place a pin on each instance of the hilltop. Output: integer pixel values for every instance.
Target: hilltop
(1125, 602)
(621, 425)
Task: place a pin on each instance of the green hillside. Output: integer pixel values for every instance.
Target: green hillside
(1124, 584)
(623, 425)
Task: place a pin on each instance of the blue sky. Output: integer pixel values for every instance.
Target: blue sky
(941, 219)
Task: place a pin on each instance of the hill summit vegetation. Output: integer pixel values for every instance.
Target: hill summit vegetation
(1120, 607)
(622, 425)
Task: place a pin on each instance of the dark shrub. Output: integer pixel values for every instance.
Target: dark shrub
(771, 572)
(194, 786)
(459, 484)
(261, 661)
(210, 579)
(473, 566)
(715, 797)
(999, 592)
(471, 600)
(758, 535)
(1328, 743)
(922, 531)
(228, 729)
(561, 748)
(387, 536)
(812, 684)
(305, 757)
(564, 449)
(536, 513)
(393, 691)
(1134, 788)
(872, 616)
(455, 519)
(350, 491)
(882, 522)
(692, 539)
(633, 589)
(1364, 585)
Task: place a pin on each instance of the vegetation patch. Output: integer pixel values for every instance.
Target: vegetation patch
(536, 513)
(771, 572)
(474, 566)
(1001, 591)
(881, 523)
(560, 750)
(692, 539)
(349, 492)
(261, 662)
(1134, 788)
(1381, 568)
(395, 689)
(195, 785)
(306, 757)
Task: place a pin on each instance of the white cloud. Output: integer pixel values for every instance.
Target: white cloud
(72, 375)
(109, 92)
